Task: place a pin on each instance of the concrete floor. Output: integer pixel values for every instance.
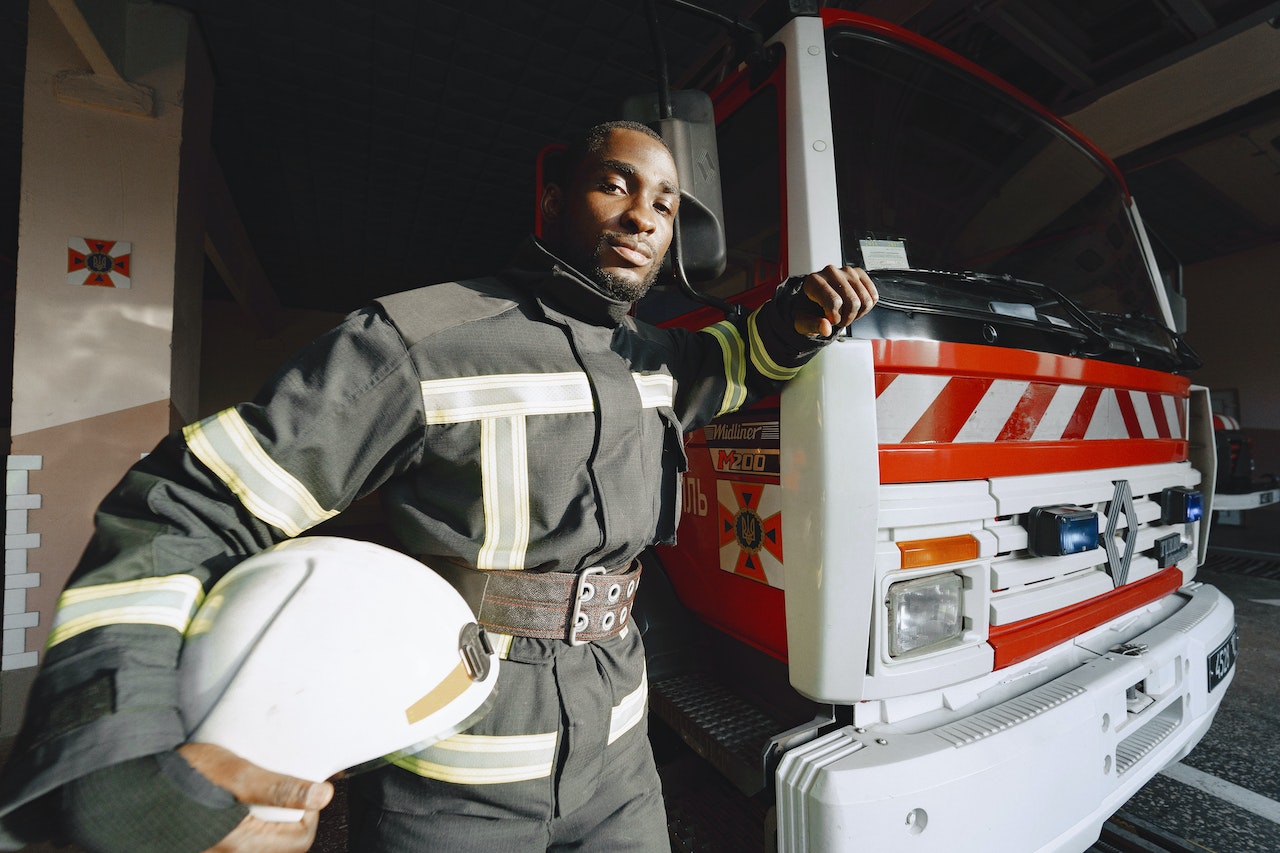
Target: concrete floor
(1225, 796)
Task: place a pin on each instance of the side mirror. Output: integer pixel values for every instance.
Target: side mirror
(690, 133)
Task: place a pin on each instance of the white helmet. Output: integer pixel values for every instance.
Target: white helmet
(321, 654)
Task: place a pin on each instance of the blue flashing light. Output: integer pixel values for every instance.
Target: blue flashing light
(1180, 505)
(1053, 531)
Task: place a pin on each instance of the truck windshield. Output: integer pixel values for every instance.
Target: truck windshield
(955, 176)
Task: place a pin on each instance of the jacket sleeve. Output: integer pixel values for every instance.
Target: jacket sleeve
(333, 425)
(742, 359)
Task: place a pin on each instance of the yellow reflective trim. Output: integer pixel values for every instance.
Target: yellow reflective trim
(473, 775)
(763, 361)
(162, 617)
(473, 398)
(165, 583)
(247, 470)
(167, 601)
(501, 643)
(497, 744)
(656, 389)
(630, 711)
(472, 759)
(733, 353)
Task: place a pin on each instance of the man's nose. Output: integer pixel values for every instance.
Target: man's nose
(640, 215)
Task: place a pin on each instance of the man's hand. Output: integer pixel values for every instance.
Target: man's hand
(842, 294)
(253, 785)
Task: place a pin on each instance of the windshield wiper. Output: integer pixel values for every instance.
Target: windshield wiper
(1074, 311)
(1097, 342)
(1185, 357)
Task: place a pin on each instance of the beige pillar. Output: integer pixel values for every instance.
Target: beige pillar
(115, 148)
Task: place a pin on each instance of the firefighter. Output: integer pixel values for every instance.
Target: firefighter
(526, 434)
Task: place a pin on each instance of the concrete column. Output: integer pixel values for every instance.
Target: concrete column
(115, 148)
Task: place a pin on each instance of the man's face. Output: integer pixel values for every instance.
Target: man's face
(613, 221)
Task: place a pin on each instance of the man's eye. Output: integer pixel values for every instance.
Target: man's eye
(612, 189)
(664, 209)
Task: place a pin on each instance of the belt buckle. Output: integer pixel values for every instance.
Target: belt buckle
(582, 593)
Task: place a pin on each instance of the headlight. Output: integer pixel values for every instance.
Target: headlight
(924, 612)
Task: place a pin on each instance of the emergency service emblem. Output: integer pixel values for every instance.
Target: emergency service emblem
(98, 263)
(751, 531)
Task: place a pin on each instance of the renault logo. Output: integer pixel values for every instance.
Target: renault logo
(1118, 563)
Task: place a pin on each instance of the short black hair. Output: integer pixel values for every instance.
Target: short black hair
(590, 141)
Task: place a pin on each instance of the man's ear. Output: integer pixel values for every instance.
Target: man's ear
(550, 204)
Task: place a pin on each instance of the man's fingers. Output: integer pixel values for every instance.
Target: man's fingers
(252, 784)
(259, 836)
(843, 294)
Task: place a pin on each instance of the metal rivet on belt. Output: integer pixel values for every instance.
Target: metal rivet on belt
(631, 589)
(581, 622)
(622, 617)
(615, 592)
(588, 592)
(607, 622)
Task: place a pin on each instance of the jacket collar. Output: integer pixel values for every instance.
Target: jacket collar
(563, 288)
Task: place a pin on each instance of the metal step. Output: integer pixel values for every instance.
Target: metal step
(726, 730)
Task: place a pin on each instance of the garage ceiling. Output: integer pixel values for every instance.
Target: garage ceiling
(372, 145)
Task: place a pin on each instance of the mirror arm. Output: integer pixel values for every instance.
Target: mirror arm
(730, 309)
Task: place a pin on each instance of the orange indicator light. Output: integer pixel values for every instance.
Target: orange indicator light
(934, 552)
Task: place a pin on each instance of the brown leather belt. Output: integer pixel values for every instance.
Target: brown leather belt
(594, 604)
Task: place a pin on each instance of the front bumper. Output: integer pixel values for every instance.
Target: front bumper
(1039, 772)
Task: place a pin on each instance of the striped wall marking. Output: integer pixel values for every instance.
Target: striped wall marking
(999, 405)
(883, 381)
(938, 409)
(1173, 416)
(1107, 420)
(1156, 404)
(15, 652)
(903, 402)
(908, 357)
(949, 411)
(1083, 415)
(1146, 419)
(1058, 413)
(1022, 419)
(1124, 400)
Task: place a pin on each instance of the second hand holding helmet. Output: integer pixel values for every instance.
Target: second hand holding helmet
(323, 654)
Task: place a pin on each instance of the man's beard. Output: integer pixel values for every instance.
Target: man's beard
(621, 289)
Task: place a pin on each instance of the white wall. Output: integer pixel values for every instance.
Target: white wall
(1233, 318)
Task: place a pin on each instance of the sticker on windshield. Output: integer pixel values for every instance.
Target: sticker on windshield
(884, 254)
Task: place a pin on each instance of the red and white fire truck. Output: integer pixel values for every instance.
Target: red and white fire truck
(958, 555)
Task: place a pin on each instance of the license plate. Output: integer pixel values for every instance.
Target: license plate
(1222, 659)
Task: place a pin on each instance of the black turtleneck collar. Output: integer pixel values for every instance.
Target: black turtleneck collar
(564, 287)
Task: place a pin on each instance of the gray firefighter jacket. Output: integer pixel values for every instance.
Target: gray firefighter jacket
(519, 422)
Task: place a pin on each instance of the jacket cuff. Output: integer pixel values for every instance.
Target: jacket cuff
(779, 326)
(154, 804)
